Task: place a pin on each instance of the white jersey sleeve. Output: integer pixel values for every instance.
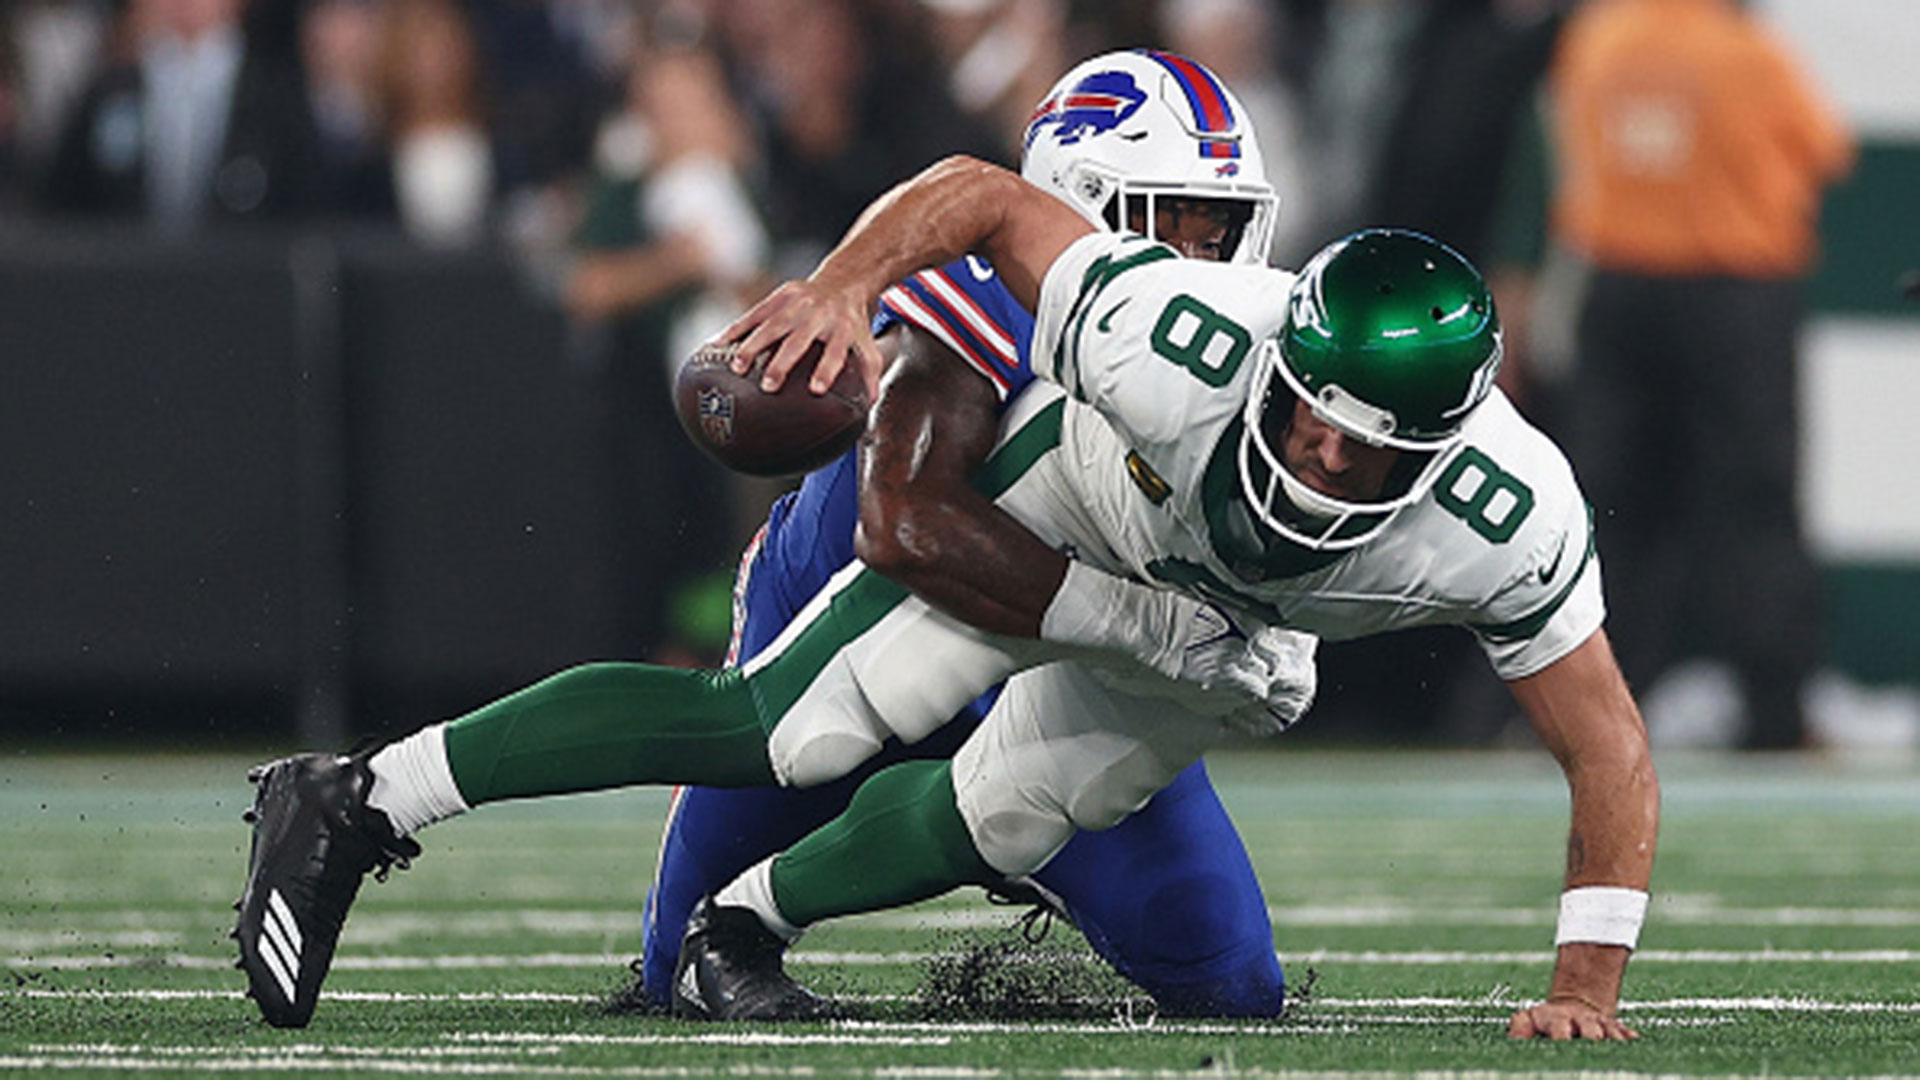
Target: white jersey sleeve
(1548, 599)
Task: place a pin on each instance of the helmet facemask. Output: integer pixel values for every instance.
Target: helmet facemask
(1288, 505)
(1144, 204)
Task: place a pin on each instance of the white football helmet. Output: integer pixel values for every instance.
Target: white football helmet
(1125, 128)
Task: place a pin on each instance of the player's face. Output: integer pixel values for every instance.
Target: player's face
(1331, 462)
(1196, 228)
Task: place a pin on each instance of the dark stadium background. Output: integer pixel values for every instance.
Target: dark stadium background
(305, 482)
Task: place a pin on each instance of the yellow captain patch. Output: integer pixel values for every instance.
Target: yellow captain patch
(1149, 482)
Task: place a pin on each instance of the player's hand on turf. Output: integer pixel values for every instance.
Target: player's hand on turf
(1567, 1018)
(791, 319)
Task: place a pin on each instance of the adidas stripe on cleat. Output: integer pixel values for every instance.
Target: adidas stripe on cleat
(314, 838)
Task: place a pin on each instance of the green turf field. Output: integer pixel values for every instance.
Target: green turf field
(1418, 888)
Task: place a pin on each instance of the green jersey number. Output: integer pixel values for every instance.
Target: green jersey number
(1493, 502)
(1202, 340)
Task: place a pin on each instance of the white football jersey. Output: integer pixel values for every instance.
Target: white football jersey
(1157, 354)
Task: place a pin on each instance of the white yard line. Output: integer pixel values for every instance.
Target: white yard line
(1416, 957)
(339, 1059)
(1353, 1005)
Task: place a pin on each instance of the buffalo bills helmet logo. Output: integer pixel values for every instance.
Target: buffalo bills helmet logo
(1098, 103)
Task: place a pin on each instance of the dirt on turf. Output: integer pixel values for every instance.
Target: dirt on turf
(991, 976)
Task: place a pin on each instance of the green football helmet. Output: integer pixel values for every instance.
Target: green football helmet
(1392, 338)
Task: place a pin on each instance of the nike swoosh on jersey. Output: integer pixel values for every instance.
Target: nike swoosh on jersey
(1552, 568)
(1105, 325)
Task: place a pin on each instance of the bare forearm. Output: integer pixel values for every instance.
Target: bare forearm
(979, 565)
(1610, 842)
(921, 521)
(1584, 714)
(957, 206)
(1615, 819)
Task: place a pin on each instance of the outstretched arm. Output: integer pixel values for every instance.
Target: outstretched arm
(958, 206)
(921, 521)
(1583, 712)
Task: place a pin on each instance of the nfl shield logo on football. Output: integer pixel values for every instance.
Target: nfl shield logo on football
(716, 416)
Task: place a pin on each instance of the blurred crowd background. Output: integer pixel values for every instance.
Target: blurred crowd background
(626, 174)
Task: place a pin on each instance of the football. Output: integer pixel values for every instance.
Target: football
(761, 434)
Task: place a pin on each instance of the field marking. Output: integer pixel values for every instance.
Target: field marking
(1496, 1002)
(1642, 956)
(1415, 957)
(227, 1060)
(136, 929)
(1399, 913)
(384, 997)
(230, 1063)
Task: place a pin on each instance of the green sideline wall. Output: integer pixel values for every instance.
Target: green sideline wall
(1861, 374)
(1860, 360)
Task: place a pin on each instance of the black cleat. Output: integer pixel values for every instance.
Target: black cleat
(314, 838)
(730, 970)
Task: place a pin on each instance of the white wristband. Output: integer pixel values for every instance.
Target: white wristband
(1601, 915)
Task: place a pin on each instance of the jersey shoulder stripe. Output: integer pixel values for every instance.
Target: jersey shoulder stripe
(911, 308)
(963, 302)
(1529, 626)
(968, 309)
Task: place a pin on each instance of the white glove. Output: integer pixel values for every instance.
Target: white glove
(1292, 677)
(1212, 650)
(1188, 640)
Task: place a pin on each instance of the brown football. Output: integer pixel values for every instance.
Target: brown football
(780, 434)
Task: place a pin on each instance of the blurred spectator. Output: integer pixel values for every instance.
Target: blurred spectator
(56, 47)
(546, 86)
(340, 49)
(190, 127)
(11, 102)
(1471, 72)
(1239, 40)
(430, 100)
(844, 112)
(1354, 91)
(1001, 56)
(668, 250)
(682, 235)
(1692, 152)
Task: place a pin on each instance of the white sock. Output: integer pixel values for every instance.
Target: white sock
(412, 782)
(753, 890)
